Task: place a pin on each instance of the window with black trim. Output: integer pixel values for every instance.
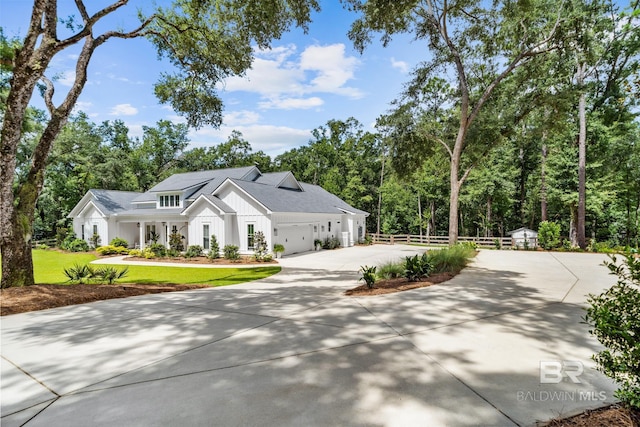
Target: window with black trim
(250, 232)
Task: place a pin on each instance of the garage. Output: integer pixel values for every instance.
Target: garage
(295, 238)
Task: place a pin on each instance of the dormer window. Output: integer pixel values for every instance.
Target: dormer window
(169, 201)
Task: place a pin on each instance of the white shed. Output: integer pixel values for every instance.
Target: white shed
(522, 235)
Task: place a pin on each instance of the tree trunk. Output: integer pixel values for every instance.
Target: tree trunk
(432, 219)
(582, 161)
(543, 184)
(487, 231)
(453, 204)
(420, 215)
(573, 231)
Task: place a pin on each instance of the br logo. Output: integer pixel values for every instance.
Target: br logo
(553, 371)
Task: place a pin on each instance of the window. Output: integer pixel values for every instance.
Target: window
(95, 228)
(82, 231)
(205, 236)
(329, 227)
(250, 229)
(151, 233)
(174, 229)
(169, 201)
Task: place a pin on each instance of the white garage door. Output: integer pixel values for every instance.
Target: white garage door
(295, 238)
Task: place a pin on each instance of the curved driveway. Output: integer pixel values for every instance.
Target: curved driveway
(290, 350)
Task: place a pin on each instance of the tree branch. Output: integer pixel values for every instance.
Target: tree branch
(48, 94)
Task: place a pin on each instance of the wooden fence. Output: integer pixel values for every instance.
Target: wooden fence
(49, 242)
(482, 242)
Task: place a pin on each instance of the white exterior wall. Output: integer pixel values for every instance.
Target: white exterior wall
(200, 216)
(247, 212)
(90, 218)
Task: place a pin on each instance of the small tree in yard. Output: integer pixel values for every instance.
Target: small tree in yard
(549, 235)
(260, 247)
(615, 318)
(214, 252)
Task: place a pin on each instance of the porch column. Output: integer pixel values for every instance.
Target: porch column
(141, 232)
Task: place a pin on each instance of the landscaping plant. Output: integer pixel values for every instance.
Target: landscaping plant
(157, 249)
(231, 252)
(416, 267)
(193, 251)
(278, 248)
(95, 240)
(452, 259)
(118, 242)
(260, 247)
(112, 250)
(109, 274)
(175, 242)
(549, 235)
(75, 245)
(79, 273)
(368, 275)
(391, 270)
(615, 318)
(214, 252)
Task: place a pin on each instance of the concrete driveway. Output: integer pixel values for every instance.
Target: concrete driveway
(290, 350)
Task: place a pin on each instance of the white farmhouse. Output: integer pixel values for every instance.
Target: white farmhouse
(231, 204)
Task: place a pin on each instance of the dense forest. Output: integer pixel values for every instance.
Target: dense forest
(506, 190)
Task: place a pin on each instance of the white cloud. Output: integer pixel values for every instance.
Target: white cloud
(244, 117)
(124, 110)
(282, 79)
(400, 65)
(66, 78)
(273, 140)
(292, 103)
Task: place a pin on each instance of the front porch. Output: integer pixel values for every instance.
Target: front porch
(140, 234)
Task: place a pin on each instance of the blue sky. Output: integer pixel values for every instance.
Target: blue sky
(301, 83)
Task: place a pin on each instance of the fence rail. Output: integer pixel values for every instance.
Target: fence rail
(48, 242)
(482, 242)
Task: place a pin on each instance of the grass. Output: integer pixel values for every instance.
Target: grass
(451, 260)
(49, 265)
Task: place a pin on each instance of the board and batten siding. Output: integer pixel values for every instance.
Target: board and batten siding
(248, 211)
(90, 218)
(200, 216)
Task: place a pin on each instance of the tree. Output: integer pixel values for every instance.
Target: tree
(206, 41)
(482, 47)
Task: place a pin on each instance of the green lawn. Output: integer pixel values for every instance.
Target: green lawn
(48, 266)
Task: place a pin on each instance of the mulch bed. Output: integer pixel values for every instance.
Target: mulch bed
(400, 284)
(613, 415)
(204, 260)
(41, 297)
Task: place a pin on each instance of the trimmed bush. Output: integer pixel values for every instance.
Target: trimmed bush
(136, 253)
(119, 242)
(193, 251)
(112, 250)
(259, 245)
(157, 249)
(232, 252)
(331, 243)
(175, 242)
(549, 235)
(615, 318)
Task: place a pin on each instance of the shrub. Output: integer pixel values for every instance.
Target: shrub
(549, 235)
(497, 243)
(615, 318)
(317, 242)
(368, 275)
(175, 242)
(331, 243)
(259, 245)
(79, 273)
(469, 245)
(63, 234)
(416, 267)
(214, 252)
(148, 253)
(77, 245)
(391, 270)
(135, 252)
(603, 247)
(451, 260)
(42, 246)
(278, 248)
(267, 258)
(119, 242)
(110, 274)
(193, 251)
(112, 250)
(173, 253)
(231, 252)
(158, 249)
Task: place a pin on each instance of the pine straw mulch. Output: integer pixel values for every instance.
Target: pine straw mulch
(613, 415)
(41, 297)
(387, 286)
(205, 260)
